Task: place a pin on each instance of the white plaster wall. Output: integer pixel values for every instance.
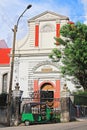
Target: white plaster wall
(26, 73)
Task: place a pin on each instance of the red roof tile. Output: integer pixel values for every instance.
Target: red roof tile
(70, 22)
(4, 56)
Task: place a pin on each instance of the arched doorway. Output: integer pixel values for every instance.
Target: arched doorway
(47, 94)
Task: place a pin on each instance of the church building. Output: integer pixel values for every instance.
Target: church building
(33, 69)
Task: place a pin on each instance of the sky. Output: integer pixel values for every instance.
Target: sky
(10, 10)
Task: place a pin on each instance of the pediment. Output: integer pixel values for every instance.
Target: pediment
(48, 15)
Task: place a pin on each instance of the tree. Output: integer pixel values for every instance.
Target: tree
(74, 52)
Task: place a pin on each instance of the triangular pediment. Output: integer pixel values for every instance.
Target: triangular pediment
(48, 15)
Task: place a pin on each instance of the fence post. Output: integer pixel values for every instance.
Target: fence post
(64, 102)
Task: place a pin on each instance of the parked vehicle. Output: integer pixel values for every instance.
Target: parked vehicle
(36, 113)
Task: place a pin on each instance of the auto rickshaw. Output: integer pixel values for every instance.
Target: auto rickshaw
(35, 112)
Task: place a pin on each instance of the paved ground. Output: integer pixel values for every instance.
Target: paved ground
(68, 125)
(82, 119)
(82, 125)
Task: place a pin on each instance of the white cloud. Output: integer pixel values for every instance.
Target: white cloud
(84, 2)
(10, 10)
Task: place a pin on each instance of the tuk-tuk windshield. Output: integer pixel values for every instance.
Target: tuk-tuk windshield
(34, 108)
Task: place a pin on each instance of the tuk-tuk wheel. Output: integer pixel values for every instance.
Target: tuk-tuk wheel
(27, 123)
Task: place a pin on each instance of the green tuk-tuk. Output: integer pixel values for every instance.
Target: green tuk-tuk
(35, 112)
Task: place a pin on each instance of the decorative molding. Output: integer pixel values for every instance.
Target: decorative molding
(58, 21)
(37, 22)
(47, 28)
(44, 63)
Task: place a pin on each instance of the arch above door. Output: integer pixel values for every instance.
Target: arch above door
(47, 87)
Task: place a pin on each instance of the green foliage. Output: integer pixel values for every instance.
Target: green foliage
(74, 31)
(80, 92)
(74, 59)
(55, 54)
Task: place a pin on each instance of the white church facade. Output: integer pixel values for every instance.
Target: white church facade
(33, 69)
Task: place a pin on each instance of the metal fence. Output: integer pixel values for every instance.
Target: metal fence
(80, 102)
(3, 115)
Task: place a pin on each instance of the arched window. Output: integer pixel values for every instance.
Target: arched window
(4, 82)
(47, 34)
(48, 28)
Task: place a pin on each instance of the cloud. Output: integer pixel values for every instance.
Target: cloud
(10, 10)
(84, 2)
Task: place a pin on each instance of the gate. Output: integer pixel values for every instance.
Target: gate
(80, 102)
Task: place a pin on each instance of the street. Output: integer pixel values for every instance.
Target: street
(58, 126)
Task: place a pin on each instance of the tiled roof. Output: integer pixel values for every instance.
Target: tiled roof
(4, 56)
(3, 44)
